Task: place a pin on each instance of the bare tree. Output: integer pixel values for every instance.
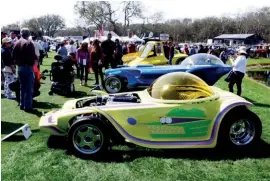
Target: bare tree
(45, 25)
(93, 13)
(13, 26)
(131, 9)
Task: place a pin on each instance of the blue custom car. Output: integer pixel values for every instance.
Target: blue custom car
(206, 66)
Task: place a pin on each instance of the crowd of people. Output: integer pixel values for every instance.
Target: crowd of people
(21, 53)
(93, 56)
(27, 54)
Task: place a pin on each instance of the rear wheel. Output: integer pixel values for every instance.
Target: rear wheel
(239, 130)
(114, 84)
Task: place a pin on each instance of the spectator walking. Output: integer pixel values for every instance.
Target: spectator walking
(14, 38)
(186, 50)
(97, 62)
(108, 47)
(210, 51)
(83, 59)
(9, 66)
(71, 51)
(166, 50)
(170, 52)
(159, 50)
(42, 52)
(3, 35)
(118, 53)
(239, 64)
(62, 50)
(192, 50)
(90, 46)
(77, 44)
(125, 48)
(38, 50)
(25, 57)
(45, 47)
(224, 55)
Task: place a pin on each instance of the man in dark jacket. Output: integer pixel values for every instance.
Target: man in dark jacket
(108, 47)
(171, 52)
(25, 57)
(166, 50)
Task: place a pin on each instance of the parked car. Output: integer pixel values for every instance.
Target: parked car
(208, 67)
(152, 55)
(179, 110)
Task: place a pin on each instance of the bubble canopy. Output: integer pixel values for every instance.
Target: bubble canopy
(179, 86)
(202, 59)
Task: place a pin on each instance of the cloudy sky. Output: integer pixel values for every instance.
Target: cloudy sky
(25, 9)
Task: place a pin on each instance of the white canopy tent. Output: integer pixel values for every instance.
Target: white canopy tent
(101, 38)
(125, 39)
(135, 38)
(47, 38)
(59, 39)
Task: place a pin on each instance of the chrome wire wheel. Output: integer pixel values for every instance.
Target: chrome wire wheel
(113, 85)
(87, 139)
(242, 132)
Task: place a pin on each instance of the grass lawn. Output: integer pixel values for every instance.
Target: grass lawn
(40, 158)
(258, 61)
(255, 61)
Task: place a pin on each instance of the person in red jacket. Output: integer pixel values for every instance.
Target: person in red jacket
(37, 78)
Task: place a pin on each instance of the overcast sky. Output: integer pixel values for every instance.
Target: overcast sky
(25, 9)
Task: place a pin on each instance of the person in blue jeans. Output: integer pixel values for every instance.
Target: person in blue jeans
(25, 57)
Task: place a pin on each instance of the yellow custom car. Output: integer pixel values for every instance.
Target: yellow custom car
(151, 54)
(179, 110)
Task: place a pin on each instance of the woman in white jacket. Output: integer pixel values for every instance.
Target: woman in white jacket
(239, 64)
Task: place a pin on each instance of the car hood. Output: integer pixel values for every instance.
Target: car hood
(146, 100)
(136, 61)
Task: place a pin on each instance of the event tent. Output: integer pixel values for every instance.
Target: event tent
(135, 38)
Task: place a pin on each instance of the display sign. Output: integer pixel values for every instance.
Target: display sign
(164, 37)
(25, 129)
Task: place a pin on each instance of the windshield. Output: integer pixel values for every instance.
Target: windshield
(146, 50)
(202, 59)
(179, 86)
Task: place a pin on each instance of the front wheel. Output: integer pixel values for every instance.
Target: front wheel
(88, 138)
(114, 84)
(240, 130)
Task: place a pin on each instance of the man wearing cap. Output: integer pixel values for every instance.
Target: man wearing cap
(25, 57)
(9, 66)
(108, 47)
(239, 69)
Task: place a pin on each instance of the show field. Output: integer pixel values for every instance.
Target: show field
(45, 158)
